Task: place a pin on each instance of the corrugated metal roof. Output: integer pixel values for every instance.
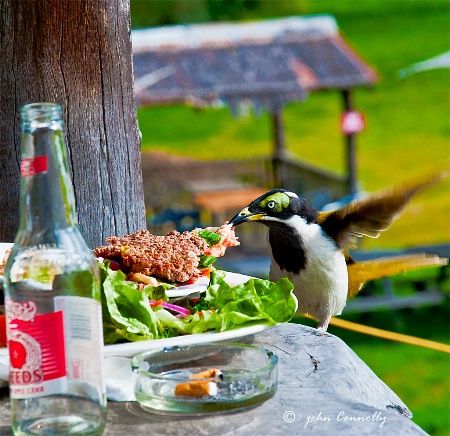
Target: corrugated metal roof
(268, 62)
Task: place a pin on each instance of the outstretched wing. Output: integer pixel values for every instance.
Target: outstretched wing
(362, 272)
(372, 215)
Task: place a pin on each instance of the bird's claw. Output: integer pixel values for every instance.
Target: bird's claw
(320, 331)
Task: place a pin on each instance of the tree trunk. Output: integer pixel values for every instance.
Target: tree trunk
(78, 54)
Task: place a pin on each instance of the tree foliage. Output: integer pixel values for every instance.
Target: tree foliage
(145, 13)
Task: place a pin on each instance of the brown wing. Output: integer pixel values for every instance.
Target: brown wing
(372, 215)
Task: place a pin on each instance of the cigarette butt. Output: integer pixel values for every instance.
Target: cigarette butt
(208, 373)
(196, 388)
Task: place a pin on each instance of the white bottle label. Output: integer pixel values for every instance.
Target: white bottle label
(51, 353)
(84, 339)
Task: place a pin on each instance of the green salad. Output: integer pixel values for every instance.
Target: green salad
(132, 314)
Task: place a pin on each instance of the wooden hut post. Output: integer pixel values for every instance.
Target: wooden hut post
(77, 54)
(352, 184)
(278, 160)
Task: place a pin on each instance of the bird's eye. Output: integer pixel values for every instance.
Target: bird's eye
(271, 204)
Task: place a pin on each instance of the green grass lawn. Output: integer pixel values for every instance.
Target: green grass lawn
(407, 136)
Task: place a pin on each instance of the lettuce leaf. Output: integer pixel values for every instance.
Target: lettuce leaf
(254, 300)
(127, 314)
(198, 323)
(126, 310)
(158, 292)
(224, 307)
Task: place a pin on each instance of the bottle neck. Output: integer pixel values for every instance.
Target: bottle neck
(46, 195)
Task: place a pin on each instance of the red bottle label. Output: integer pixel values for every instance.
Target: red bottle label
(36, 350)
(32, 166)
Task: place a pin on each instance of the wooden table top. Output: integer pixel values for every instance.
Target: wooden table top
(323, 389)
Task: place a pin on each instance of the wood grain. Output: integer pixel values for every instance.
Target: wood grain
(77, 54)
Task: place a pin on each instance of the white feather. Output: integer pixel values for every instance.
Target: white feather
(321, 288)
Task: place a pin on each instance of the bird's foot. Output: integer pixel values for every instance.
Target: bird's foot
(320, 331)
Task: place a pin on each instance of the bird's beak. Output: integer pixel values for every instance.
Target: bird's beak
(245, 215)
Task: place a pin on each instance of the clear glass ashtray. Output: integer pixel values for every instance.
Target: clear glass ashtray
(197, 379)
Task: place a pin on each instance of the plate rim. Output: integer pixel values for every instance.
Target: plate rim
(130, 349)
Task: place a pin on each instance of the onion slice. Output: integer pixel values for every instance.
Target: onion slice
(170, 306)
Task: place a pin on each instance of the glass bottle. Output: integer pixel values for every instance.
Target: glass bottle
(52, 294)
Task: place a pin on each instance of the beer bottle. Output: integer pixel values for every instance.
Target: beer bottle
(52, 294)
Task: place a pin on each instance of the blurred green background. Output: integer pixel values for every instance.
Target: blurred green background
(407, 120)
(407, 136)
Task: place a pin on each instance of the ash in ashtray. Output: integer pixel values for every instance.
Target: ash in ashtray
(234, 388)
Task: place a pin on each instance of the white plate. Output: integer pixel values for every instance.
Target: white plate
(3, 247)
(130, 349)
(181, 291)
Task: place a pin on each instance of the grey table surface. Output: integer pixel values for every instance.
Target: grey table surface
(323, 388)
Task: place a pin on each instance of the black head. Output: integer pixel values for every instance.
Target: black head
(275, 206)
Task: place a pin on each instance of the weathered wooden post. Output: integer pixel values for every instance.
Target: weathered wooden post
(350, 139)
(279, 154)
(77, 54)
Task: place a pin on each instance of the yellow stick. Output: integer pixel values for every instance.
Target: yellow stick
(372, 331)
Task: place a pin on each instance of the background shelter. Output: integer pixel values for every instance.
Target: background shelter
(268, 63)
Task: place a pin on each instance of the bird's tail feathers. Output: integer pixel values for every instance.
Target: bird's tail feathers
(361, 272)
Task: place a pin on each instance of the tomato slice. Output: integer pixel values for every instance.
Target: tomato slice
(206, 272)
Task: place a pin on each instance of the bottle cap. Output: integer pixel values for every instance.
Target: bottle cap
(36, 115)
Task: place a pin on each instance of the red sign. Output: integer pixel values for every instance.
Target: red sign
(352, 122)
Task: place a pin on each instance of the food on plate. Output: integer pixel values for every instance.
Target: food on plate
(134, 314)
(4, 260)
(174, 258)
(141, 309)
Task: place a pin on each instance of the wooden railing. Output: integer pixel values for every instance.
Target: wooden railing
(172, 182)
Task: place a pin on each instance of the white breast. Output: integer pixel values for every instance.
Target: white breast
(321, 288)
